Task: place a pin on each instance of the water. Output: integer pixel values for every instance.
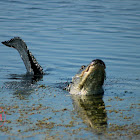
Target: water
(63, 35)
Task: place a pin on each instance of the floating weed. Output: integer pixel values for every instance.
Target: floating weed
(42, 86)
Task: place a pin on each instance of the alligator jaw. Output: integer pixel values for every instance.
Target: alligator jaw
(90, 80)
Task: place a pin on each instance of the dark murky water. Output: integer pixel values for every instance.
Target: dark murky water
(63, 35)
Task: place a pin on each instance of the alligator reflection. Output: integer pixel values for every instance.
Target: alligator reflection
(23, 85)
(92, 110)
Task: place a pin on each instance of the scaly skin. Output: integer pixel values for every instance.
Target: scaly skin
(29, 60)
(90, 79)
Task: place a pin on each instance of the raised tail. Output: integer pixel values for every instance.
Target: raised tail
(29, 60)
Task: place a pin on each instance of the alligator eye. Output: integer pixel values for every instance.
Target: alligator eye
(82, 67)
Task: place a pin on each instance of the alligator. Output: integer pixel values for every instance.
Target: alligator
(29, 60)
(89, 80)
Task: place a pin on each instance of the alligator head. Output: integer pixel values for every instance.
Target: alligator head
(29, 60)
(90, 79)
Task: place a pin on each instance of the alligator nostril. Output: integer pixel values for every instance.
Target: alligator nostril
(98, 61)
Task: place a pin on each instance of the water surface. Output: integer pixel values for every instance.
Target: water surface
(63, 35)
